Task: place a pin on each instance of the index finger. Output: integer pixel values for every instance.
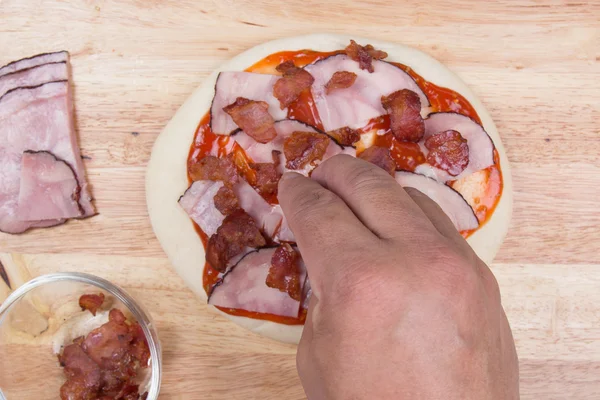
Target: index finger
(326, 230)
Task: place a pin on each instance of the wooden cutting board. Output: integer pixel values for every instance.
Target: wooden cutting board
(535, 65)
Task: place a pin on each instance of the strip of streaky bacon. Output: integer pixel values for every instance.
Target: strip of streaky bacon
(30, 62)
(245, 287)
(38, 118)
(48, 188)
(450, 201)
(356, 105)
(252, 86)
(34, 76)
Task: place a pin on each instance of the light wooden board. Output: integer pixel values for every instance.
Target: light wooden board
(535, 64)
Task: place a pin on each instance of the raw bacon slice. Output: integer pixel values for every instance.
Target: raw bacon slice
(48, 188)
(234, 236)
(30, 62)
(198, 202)
(36, 119)
(404, 109)
(293, 82)
(357, 105)
(234, 84)
(245, 288)
(253, 117)
(34, 76)
(450, 201)
(481, 147)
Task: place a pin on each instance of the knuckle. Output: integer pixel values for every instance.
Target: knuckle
(314, 200)
(365, 177)
(455, 274)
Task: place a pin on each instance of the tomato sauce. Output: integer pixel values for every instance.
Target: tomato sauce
(406, 155)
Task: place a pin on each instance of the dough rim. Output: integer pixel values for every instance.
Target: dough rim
(166, 176)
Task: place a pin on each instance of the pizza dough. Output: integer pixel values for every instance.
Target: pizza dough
(166, 178)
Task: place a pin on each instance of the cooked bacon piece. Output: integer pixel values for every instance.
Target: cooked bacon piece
(237, 232)
(91, 302)
(104, 364)
(284, 273)
(449, 151)
(340, 80)
(245, 287)
(139, 346)
(108, 345)
(211, 168)
(268, 175)
(481, 147)
(345, 136)
(83, 374)
(302, 148)
(364, 55)
(404, 108)
(381, 157)
(293, 82)
(226, 201)
(253, 118)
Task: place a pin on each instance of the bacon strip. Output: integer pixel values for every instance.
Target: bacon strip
(364, 55)
(404, 108)
(304, 148)
(449, 151)
(253, 118)
(226, 201)
(285, 272)
(381, 157)
(267, 175)
(293, 82)
(31, 62)
(237, 232)
(340, 80)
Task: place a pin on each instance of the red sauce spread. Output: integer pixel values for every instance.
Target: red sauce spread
(406, 155)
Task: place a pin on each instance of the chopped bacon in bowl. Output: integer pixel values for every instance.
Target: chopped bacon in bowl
(106, 362)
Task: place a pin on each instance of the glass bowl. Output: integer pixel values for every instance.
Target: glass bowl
(43, 315)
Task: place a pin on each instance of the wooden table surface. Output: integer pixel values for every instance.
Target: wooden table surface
(534, 64)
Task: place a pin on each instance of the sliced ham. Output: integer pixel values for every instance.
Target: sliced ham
(249, 85)
(450, 201)
(481, 147)
(198, 202)
(36, 119)
(30, 62)
(356, 105)
(48, 188)
(267, 217)
(245, 288)
(263, 152)
(34, 76)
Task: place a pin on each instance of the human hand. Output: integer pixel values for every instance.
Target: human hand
(402, 308)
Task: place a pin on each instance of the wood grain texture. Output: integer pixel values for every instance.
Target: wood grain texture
(534, 63)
